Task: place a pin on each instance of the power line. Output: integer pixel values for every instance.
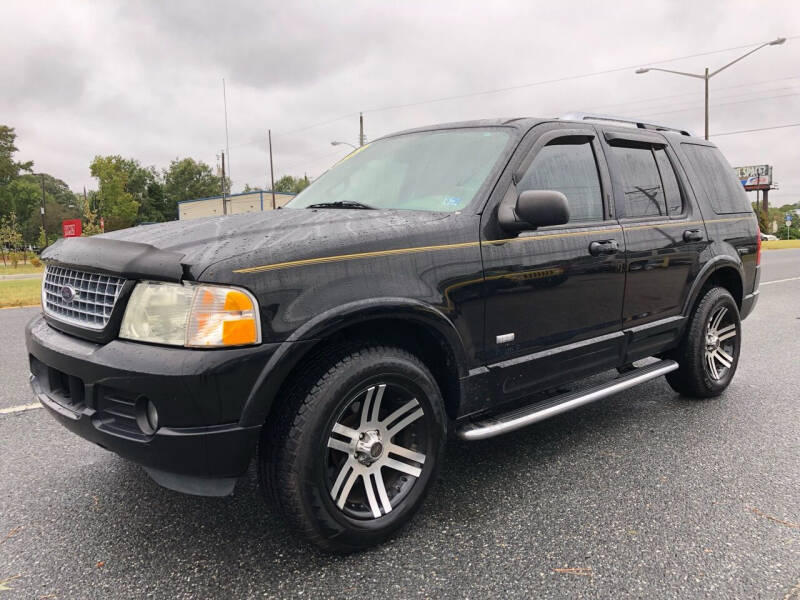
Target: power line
(729, 87)
(759, 95)
(566, 78)
(669, 112)
(514, 87)
(758, 129)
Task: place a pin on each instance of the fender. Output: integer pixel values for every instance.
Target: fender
(705, 273)
(297, 346)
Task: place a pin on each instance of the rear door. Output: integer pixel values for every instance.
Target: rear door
(554, 294)
(664, 236)
(730, 222)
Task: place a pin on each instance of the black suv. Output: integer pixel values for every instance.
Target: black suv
(458, 278)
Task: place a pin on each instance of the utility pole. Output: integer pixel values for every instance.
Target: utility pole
(224, 201)
(271, 171)
(361, 129)
(706, 79)
(44, 228)
(227, 143)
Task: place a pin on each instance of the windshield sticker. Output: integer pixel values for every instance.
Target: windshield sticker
(452, 201)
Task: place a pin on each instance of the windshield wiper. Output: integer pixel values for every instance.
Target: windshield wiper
(341, 204)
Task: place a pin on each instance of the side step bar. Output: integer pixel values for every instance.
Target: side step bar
(516, 419)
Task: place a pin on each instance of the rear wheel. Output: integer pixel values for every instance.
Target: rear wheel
(709, 353)
(351, 457)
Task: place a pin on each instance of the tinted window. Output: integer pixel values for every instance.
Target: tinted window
(569, 168)
(722, 189)
(669, 181)
(641, 182)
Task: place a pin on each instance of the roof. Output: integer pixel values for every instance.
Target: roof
(525, 123)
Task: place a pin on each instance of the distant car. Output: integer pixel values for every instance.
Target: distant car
(766, 237)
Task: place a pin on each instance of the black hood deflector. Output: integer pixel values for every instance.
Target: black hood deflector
(132, 260)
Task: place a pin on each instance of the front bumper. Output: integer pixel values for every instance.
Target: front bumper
(97, 391)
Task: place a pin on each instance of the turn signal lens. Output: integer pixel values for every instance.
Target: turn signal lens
(222, 317)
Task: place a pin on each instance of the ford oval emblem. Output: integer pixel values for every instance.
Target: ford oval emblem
(68, 293)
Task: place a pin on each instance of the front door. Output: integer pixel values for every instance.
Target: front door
(554, 294)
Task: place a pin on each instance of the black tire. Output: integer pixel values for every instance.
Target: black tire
(297, 467)
(705, 372)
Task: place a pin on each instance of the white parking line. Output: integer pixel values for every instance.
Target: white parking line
(20, 408)
(779, 280)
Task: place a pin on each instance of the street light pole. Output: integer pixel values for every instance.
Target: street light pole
(707, 78)
(706, 75)
(344, 144)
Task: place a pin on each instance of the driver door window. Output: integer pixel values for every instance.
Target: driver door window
(568, 167)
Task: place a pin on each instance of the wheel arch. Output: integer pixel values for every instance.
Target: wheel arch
(413, 325)
(723, 272)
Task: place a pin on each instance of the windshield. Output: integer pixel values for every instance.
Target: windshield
(433, 170)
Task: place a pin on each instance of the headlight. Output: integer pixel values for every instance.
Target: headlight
(192, 315)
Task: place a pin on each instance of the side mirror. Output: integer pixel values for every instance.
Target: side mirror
(536, 208)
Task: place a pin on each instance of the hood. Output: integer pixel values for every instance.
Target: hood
(184, 249)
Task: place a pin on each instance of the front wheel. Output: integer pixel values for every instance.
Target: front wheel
(356, 448)
(709, 353)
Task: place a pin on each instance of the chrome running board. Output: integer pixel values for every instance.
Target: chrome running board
(499, 424)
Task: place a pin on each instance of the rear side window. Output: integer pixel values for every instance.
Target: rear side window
(568, 167)
(719, 183)
(672, 191)
(641, 182)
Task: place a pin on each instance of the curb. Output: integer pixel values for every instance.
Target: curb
(23, 306)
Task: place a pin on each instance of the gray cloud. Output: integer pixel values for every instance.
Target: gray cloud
(144, 79)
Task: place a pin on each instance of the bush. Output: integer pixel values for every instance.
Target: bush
(36, 262)
(14, 258)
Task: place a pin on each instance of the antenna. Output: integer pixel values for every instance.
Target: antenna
(227, 143)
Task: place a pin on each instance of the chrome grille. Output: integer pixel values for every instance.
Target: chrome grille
(93, 296)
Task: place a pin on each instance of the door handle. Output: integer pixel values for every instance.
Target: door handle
(599, 247)
(692, 235)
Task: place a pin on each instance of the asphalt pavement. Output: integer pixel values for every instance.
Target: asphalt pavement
(643, 495)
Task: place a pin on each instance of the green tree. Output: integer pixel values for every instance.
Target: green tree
(10, 235)
(117, 205)
(9, 169)
(186, 179)
(23, 195)
(91, 222)
(762, 219)
(154, 201)
(24, 198)
(53, 186)
(292, 185)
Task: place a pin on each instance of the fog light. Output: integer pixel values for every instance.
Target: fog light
(146, 416)
(152, 415)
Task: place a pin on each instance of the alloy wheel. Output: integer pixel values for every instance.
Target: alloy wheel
(721, 343)
(375, 451)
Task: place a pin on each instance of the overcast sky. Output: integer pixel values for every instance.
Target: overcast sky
(144, 79)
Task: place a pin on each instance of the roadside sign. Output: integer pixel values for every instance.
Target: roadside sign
(72, 228)
(755, 177)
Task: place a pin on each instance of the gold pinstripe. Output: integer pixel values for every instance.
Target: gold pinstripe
(419, 249)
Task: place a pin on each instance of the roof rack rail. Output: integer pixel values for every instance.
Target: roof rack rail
(582, 116)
